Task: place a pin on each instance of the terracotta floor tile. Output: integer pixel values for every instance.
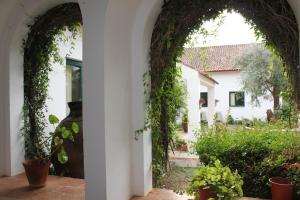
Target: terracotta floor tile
(61, 188)
(57, 188)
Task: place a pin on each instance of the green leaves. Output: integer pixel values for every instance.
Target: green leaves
(66, 134)
(40, 48)
(221, 180)
(53, 119)
(58, 141)
(75, 127)
(62, 156)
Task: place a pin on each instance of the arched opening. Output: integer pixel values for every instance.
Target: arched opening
(178, 19)
(48, 47)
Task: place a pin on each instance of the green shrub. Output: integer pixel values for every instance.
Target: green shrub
(293, 174)
(256, 154)
(220, 180)
(230, 120)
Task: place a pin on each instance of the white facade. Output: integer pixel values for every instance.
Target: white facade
(192, 80)
(116, 43)
(230, 81)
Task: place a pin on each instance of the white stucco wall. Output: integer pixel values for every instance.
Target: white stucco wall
(231, 82)
(192, 81)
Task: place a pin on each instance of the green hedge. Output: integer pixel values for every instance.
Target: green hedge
(257, 154)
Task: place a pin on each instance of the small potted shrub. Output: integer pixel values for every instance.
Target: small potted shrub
(215, 181)
(287, 188)
(181, 145)
(282, 188)
(38, 151)
(185, 121)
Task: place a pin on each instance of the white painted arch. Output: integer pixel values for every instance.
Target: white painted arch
(116, 34)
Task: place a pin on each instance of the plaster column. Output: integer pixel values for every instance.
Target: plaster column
(94, 116)
(210, 105)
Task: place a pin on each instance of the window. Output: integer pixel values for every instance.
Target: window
(236, 99)
(74, 80)
(203, 98)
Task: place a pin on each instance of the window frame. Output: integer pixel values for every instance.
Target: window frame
(76, 63)
(234, 92)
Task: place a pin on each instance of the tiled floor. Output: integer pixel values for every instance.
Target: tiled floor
(58, 188)
(161, 194)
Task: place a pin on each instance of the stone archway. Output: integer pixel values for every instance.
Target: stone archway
(177, 20)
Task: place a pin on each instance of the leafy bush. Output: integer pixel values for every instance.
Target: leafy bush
(293, 174)
(256, 153)
(219, 179)
(230, 120)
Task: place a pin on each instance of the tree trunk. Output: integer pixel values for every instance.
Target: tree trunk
(276, 98)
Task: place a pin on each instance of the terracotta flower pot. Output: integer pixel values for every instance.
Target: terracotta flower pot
(205, 194)
(37, 172)
(184, 147)
(282, 188)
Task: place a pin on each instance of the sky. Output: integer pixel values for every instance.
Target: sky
(233, 30)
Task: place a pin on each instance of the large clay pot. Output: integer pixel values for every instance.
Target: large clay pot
(282, 189)
(75, 166)
(37, 172)
(205, 194)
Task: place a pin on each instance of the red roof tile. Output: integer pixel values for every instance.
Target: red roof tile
(214, 58)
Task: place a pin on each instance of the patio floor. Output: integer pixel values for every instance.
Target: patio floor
(61, 188)
(58, 188)
(162, 194)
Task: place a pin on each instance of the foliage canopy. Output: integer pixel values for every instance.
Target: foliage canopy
(39, 47)
(262, 74)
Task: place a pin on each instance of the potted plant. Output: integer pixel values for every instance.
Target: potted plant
(293, 175)
(287, 188)
(282, 188)
(287, 185)
(180, 144)
(38, 148)
(185, 121)
(216, 181)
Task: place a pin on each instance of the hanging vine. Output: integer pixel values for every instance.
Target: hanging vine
(40, 49)
(273, 19)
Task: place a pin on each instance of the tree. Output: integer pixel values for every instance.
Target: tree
(262, 74)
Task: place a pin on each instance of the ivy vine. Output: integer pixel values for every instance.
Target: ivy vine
(273, 19)
(40, 49)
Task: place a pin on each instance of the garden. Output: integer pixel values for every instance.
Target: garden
(256, 154)
(241, 161)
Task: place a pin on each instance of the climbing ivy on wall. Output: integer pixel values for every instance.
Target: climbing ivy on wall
(40, 49)
(273, 19)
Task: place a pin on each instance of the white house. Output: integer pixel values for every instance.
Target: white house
(116, 43)
(217, 62)
(194, 81)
